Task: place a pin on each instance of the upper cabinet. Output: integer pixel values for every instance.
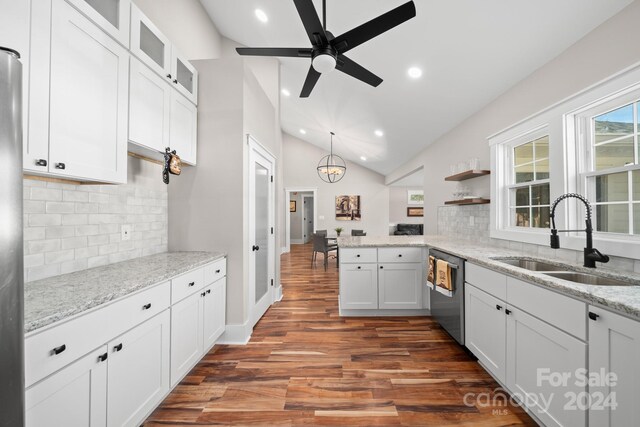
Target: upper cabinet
(110, 15)
(156, 51)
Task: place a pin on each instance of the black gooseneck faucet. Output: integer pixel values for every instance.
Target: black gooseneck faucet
(591, 254)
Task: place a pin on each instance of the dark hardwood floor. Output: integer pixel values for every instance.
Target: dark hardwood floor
(305, 365)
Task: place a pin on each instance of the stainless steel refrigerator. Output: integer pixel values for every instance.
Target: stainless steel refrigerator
(11, 254)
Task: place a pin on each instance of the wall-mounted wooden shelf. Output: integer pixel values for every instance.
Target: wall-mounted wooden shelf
(463, 176)
(468, 202)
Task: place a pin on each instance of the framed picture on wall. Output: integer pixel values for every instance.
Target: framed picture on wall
(292, 206)
(348, 208)
(412, 212)
(415, 197)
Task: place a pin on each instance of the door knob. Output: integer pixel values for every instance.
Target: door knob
(255, 248)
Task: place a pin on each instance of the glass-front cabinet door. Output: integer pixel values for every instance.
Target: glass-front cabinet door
(149, 45)
(185, 76)
(110, 15)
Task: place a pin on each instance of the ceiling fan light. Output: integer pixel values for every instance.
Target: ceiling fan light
(324, 63)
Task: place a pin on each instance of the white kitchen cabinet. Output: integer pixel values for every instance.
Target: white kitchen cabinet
(183, 128)
(186, 335)
(536, 350)
(86, 98)
(486, 330)
(149, 108)
(214, 312)
(614, 348)
(112, 16)
(399, 285)
(184, 76)
(76, 396)
(358, 286)
(138, 376)
(149, 45)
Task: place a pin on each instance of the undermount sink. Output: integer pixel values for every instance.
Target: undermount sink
(588, 279)
(532, 265)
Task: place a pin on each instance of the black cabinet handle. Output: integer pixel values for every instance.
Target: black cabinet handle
(103, 357)
(498, 307)
(118, 347)
(400, 256)
(358, 256)
(359, 268)
(381, 267)
(169, 76)
(507, 311)
(59, 350)
(208, 291)
(191, 284)
(203, 294)
(41, 162)
(60, 166)
(217, 271)
(175, 81)
(255, 248)
(593, 316)
(146, 306)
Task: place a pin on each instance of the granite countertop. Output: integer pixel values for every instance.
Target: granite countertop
(51, 300)
(623, 299)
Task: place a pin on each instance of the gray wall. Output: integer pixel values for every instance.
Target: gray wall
(295, 220)
(579, 67)
(74, 227)
(300, 160)
(398, 206)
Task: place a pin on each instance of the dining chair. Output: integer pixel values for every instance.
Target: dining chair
(358, 233)
(320, 245)
(322, 232)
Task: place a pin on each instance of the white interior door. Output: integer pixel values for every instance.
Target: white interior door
(261, 231)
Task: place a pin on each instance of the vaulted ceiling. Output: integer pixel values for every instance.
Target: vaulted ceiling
(470, 52)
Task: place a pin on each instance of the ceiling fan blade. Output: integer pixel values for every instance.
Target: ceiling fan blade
(374, 28)
(275, 51)
(311, 22)
(356, 70)
(310, 82)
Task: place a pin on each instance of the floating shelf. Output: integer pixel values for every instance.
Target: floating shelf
(463, 176)
(468, 202)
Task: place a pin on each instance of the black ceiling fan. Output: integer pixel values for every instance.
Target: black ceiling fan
(327, 52)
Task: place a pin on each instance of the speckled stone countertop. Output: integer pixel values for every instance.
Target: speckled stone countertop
(50, 300)
(623, 299)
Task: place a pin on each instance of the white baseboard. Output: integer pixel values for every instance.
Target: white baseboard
(279, 295)
(236, 334)
(283, 250)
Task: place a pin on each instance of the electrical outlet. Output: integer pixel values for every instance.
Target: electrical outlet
(125, 230)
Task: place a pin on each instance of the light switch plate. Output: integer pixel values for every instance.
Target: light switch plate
(125, 230)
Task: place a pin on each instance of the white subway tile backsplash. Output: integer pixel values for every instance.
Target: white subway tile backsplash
(73, 227)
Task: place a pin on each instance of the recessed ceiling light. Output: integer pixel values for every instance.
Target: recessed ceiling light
(262, 17)
(379, 132)
(302, 131)
(285, 92)
(363, 158)
(414, 72)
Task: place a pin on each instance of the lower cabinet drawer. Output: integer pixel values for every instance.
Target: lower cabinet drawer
(137, 308)
(400, 255)
(50, 350)
(358, 255)
(215, 271)
(187, 284)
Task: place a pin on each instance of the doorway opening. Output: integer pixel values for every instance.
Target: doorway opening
(302, 216)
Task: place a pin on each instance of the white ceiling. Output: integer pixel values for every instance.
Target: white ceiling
(471, 51)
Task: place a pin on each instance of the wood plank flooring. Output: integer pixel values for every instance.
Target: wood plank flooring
(305, 365)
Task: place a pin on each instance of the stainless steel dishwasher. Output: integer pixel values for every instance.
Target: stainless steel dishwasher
(449, 310)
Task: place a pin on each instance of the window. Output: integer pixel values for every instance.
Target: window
(529, 190)
(612, 175)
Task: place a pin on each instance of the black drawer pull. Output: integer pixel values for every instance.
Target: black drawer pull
(146, 306)
(59, 350)
(208, 291)
(103, 357)
(498, 307)
(359, 268)
(60, 166)
(593, 316)
(507, 311)
(381, 267)
(400, 256)
(41, 162)
(217, 271)
(118, 347)
(192, 284)
(358, 256)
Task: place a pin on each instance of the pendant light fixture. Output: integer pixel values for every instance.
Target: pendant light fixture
(332, 167)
